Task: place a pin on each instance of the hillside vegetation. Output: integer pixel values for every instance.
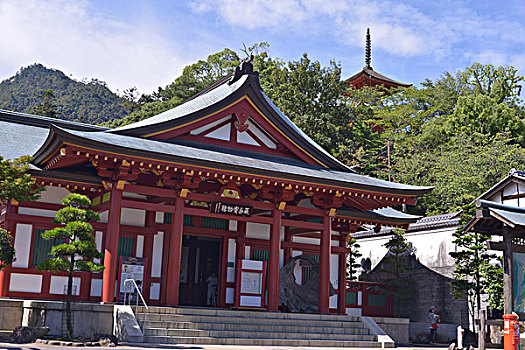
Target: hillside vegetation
(87, 101)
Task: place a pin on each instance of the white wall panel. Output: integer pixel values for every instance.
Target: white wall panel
(332, 302)
(104, 216)
(96, 287)
(256, 230)
(133, 217)
(25, 283)
(230, 293)
(156, 260)
(59, 283)
(334, 269)
(98, 241)
(140, 246)
(232, 245)
(23, 244)
(159, 217)
(154, 291)
(37, 212)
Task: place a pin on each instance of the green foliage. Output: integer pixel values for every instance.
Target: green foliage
(89, 101)
(472, 270)
(396, 269)
(493, 273)
(47, 106)
(461, 133)
(15, 182)
(352, 256)
(7, 250)
(78, 252)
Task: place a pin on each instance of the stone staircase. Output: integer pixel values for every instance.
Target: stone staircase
(181, 325)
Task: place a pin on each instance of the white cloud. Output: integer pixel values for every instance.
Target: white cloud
(73, 37)
(406, 30)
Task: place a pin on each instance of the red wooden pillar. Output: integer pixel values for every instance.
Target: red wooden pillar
(5, 274)
(341, 298)
(148, 254)
(175, 253)
(241, 245)
(223, 270)
(273, 269)
(111, 248)
(324, 266)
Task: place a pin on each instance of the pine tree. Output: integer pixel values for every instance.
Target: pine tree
(472, 271)
(353, 255)
(79, 249)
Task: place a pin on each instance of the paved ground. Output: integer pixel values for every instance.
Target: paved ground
(9, 346)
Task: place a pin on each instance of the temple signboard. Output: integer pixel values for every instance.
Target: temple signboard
(231, 209)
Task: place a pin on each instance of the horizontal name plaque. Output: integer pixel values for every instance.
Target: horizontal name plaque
(230, 209)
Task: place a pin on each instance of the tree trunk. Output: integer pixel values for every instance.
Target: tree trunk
(69, 297)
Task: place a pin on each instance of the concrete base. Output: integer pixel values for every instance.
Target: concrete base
(396, 328)
(444, 334)
(88, 318)
(11, 312)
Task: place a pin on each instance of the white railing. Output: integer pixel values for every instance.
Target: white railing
(128, 296)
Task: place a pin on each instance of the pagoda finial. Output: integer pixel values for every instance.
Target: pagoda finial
(368, 50)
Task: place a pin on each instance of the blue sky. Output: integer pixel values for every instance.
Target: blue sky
(147, 43)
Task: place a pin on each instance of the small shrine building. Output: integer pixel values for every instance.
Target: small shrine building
(222, 177)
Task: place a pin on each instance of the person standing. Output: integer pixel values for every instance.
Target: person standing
(212, 283)
(433, 319)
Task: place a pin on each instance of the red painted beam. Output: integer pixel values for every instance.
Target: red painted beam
(150, 191)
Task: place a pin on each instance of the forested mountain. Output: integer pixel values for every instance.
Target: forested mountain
(39, 90)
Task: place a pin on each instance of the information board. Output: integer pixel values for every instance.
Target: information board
(130, 268)
(250, 284)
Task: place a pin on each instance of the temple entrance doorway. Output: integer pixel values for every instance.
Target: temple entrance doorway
(199, 279)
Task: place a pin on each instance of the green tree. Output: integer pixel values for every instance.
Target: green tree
(396, 268)
(79, 249)
(460, 133)
(352, 256)
(17, 184)
(47, 106)
(472, 262)
(7, 250)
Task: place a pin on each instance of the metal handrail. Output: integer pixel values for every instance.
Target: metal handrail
(131, 282)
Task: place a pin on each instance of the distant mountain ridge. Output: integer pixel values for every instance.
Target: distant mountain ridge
(87, 101)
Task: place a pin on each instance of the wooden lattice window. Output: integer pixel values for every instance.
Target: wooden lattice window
(42, 247)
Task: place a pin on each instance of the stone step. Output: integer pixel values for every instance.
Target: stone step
(262, 342)
(254, 335)
(242, 320)
(255, 327)
(244, 314)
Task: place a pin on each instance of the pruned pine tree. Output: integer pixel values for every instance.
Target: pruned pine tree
(353, 255)
(79, 249)
(396, 268)
(473, 272)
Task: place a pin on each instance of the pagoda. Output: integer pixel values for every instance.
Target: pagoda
(369, 77)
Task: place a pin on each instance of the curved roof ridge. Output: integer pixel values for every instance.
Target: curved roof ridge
(205, 98)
